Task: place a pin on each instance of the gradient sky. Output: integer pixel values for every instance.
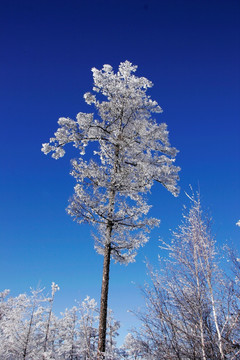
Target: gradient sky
(190, 51)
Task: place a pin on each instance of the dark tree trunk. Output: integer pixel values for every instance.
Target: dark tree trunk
(106, 270)
(104, 299)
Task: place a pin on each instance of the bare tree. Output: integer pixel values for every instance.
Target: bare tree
(131, 151)
(192, 309)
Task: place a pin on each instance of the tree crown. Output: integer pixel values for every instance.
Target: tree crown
(132, 152)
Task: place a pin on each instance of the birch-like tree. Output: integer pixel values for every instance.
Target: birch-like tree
(192, 310)
(48, 331)
(130, 151)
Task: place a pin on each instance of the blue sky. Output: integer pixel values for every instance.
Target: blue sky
(190, 50)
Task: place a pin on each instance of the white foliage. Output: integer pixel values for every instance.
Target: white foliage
(132, 347)
(19, 326)
(30, 330)
(192, 308)
(132, 151)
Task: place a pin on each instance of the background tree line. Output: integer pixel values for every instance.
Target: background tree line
(192, 309)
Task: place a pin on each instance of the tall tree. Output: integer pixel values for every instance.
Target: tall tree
(131, 152)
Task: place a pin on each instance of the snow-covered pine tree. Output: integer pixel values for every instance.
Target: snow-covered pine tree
(132, 151)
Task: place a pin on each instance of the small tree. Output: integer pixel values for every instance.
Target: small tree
(19, 326)
(49, 320)
(132, 151)
(133, 347)
(69, 342)
(112, 332)
(89, 315)
(78, 332)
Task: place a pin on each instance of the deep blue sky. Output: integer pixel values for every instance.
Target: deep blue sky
(190, 50)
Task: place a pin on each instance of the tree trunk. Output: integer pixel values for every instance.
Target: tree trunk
(28, 334)
(106, 269)
(104, 298)
(47, 329)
